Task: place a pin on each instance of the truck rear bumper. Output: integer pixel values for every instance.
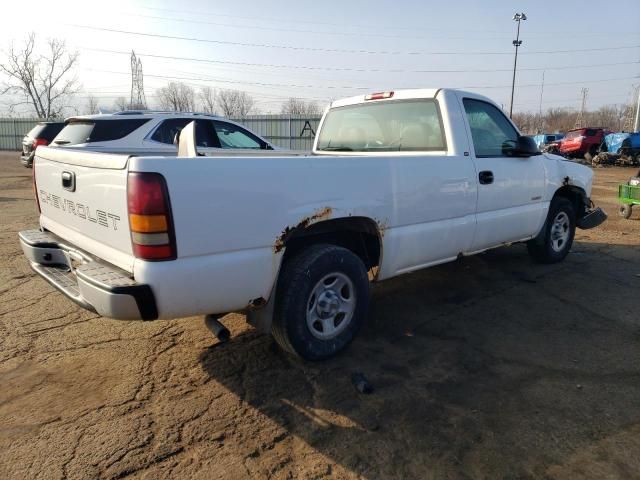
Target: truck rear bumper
(104, 289)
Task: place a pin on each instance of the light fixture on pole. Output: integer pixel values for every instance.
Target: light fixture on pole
(516, 43)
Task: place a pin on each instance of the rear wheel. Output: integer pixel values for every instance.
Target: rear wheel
(554, 241)
(625, 210)
(321, 302)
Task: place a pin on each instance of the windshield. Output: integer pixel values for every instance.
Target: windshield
(402, 125)
(574, 133)
(35, 131)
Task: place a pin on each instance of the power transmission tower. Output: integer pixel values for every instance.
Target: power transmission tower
(580, 117)
(629, 112)
(138, 100)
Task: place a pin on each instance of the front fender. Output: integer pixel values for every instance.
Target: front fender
(574, 181)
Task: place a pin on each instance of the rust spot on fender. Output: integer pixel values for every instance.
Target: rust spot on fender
(257, 303)
(382, 226)
(318, 215)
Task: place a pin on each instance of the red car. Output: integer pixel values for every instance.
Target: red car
(581, 141)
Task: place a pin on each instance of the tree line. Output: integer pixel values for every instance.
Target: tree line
(559, 120)
(46, 82)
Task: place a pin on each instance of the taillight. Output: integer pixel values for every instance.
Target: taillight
(33, 183)
(39, 141)
(379, 96)
(150, 222)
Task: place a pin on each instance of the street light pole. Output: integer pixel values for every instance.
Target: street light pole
(516, 43)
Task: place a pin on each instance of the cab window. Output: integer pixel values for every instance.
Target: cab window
(491, 132)
(232, 136)
(167, 130)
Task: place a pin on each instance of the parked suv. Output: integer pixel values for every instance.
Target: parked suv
(41, 134)
(580, 141)
(153, 133)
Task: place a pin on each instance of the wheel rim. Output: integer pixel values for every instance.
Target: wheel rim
(560, 231)
(330, 306)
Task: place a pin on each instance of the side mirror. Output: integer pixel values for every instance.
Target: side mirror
(522, 147)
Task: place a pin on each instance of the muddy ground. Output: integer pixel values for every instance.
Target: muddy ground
(489, 367)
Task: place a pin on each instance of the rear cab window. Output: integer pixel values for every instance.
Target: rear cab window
(90, 131)
(388, 126)
(574, 134)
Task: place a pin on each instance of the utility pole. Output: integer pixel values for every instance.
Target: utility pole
(540, 126)
(580, 117)
(138, 100)
(630, 113)
(516, 43)
(636, 126)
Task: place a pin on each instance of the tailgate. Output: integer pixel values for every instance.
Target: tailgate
(83, 200)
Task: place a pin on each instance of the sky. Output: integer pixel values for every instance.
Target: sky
(324, 50)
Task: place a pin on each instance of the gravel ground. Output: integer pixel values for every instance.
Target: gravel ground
(489, 367)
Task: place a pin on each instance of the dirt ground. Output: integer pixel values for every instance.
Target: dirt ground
(489, 367)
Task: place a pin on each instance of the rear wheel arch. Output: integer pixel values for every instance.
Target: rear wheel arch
(360, 235)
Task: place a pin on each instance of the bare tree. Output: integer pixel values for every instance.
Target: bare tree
(45, 81)
(295, 106)
(92, 105)
(207, 98)
(563, 119)
(235, 103)
(121, 104)
(177, 96)
(608, 116)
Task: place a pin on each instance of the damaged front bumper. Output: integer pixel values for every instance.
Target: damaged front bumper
(591, 219)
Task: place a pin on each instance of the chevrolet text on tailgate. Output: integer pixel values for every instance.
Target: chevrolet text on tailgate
(396, 182)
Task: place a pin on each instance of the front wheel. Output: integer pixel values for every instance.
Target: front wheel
(625, 210)
(554, 241)
(321, 301)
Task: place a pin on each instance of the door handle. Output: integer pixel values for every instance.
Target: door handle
(69, 181)
(485, 177)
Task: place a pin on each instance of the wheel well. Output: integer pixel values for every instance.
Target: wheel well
(576, 196)
(361, 235)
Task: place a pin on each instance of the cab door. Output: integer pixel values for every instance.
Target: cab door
(510, 189)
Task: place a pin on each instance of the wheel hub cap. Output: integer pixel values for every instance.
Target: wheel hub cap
(328, 304)
(560, 231)
(331, 306)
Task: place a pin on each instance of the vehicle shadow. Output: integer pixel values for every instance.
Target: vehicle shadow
(489, 367)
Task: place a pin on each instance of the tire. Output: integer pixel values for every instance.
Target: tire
(625, 210)
(322, 299)
(556, 237)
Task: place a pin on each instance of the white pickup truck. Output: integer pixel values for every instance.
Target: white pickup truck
(396, 182)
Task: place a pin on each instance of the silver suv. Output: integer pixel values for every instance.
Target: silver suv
(154, 133)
